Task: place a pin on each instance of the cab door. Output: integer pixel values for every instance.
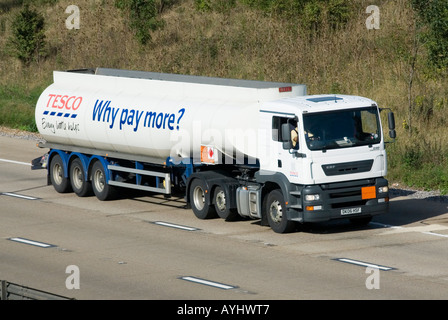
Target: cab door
(287, 139)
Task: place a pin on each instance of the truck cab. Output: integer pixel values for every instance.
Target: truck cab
(326, 154)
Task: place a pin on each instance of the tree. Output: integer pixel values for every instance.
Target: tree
(142, 17)
(27, 42)
(433, 15)
(430, 30)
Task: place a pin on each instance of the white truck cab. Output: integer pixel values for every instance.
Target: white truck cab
(328, 157)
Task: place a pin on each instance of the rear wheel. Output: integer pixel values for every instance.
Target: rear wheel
(103, 191)
(200, 200)
(60, 183)
(276, 213)
(79, 184)
(222, 205)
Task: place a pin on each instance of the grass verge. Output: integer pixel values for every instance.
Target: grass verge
(17, 105)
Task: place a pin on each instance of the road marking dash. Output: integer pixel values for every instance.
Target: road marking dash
(32, 242)
(436, 234)
(16, 162)
(176, 226)
(364, 264)
(208, 283)
(16, 195)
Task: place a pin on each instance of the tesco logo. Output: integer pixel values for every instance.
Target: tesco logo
(59, 101)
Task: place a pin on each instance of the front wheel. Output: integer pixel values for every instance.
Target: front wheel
(276, 213)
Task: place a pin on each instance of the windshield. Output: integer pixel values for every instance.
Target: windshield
(342, 128)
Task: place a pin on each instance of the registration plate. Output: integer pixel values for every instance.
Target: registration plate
(350, 211)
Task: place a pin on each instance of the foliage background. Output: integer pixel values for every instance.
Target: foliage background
(322, 43)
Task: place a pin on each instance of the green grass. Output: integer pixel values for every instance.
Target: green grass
(418, 164)
(17, 105)
(428, 177)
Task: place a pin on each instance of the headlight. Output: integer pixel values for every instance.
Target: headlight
(383, 189)
(312, 197)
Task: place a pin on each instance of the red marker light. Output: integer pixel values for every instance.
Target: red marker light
(285, 89)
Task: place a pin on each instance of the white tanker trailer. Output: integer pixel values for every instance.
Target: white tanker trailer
(257, 149)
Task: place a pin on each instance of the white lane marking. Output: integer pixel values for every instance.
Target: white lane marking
(425, 229)
(172, 225)
(385, 225)
(32, 242)
(16, 162)
(364, 264)
(436, 234)
(208, 283)
(15, 195)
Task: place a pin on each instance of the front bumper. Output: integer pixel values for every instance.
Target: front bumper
(351, 199)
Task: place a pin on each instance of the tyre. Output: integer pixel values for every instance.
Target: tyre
(275, 211)
(80, 186)
(60, 183)
(200, 200)
(102, 190)
(222, 206)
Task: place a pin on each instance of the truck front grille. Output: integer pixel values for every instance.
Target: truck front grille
(347, 167)
(349, 194)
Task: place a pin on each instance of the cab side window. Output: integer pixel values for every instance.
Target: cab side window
(277, 127)
(277, 123)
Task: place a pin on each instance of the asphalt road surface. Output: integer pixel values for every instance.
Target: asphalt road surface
(148, 247)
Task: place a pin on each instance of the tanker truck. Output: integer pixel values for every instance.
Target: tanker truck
(232, 148)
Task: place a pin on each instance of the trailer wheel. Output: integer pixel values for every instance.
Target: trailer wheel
(222, 206)
(60, 183)
(102, 190)
(276, 213)
(80, 186)
(200, 200)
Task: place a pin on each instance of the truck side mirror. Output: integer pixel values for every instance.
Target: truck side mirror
(391, 120)
(286, 136)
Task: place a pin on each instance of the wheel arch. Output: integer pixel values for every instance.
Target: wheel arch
(279, 181)
(64, 157)
(84, 161)
(92, 160)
